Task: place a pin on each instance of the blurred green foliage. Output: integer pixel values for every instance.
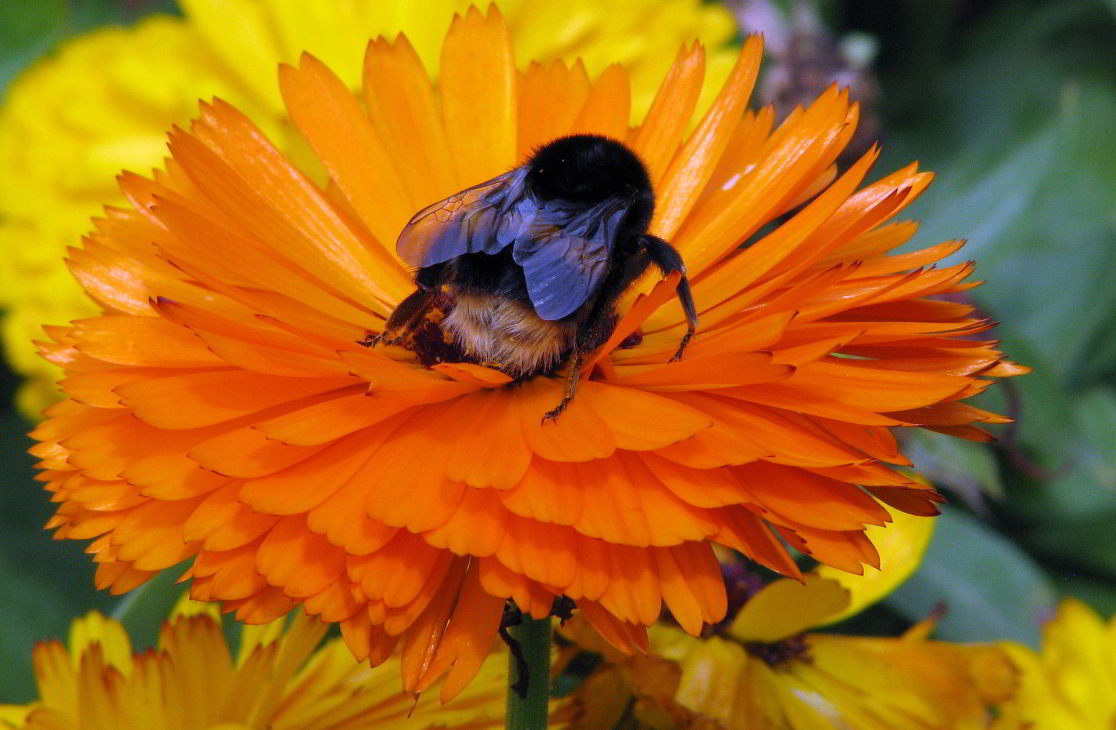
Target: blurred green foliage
(1012, 103)
(1013, 107)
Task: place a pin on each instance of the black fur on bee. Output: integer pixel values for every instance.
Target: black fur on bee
(534, 261)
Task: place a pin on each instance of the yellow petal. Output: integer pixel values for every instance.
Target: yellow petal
(786, 607)
(94, 628)
(901, 545)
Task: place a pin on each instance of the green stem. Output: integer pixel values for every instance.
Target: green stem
(530, 712)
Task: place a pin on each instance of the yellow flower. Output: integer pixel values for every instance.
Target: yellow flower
(279, 679)
(764, 673)
(1070, 684)
(104, 102)
(820, 682)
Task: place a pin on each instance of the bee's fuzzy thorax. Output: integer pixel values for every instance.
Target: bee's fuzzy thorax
(508, 334)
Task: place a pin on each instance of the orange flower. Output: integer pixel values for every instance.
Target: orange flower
(221, 410)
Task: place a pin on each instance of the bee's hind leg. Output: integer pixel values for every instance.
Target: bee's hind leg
(409, 313)
(668, 260)
(572, 377)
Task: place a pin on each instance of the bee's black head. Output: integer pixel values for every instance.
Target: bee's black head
(586, 168)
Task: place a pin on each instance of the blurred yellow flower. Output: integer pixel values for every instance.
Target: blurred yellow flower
(764, 673)
(104, 102)
(1070, 684)
(819, 682)
(278, 680)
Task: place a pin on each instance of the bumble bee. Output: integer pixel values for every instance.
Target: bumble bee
(528, 266)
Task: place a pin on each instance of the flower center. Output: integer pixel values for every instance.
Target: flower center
(777, 653)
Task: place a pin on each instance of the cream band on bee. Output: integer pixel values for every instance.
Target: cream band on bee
(496, 329)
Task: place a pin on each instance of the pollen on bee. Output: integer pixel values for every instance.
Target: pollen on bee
(429, 341)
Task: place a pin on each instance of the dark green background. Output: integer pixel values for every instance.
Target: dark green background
(1013, 105)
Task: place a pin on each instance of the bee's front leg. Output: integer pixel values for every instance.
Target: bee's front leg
(668, 260)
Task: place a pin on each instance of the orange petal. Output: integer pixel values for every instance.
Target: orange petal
(247, 453)
(549, 492)
(694, 164)
(478, 96)
(209, 250)
(142, 342)
(151, 535)
(579, 434)
(626, 637)
(223, 523)
(542, 552)
(607, 107)
(744, 531)
(342, 520)
(627, 411)
(447, 572)
(550, 99)
(300, 562)
(476, 527)
(657, 139)
(704, 373)
(404, 111)
(198, 399)
(397, 573)
(810, 499)
(171, 476)
(405, 481)
(488, 446)
(529, 596)
(332, 419)
(845, 550)
(700, 487)
(357, 159)
(789, 438)
(281, 204)
(310, 482)
(423, 638)
(468, 640)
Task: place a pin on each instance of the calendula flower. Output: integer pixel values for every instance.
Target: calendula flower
(278, 678)
(104, 102)
(816, 681)
(1071, 681)
(764, 671)
(223, 410)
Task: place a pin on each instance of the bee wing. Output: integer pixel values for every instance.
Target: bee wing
(566, 253)
(484, 218)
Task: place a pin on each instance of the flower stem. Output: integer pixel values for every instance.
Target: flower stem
(528, 711)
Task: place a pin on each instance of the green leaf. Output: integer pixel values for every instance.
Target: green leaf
(1073, 443)
(1100, 594)
(1018, 134)
(991, 589)
(1087, 543)
(1095, 417)
(967, 468)
(27, 30)
(45, 583)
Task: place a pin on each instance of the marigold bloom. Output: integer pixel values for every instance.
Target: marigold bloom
(103, 104)
(1071, 681)
(222, 411)
(278, 679)
(764, 674)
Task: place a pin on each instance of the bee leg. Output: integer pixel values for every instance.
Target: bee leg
(664, 256)
(409, 312)
(571, 387)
